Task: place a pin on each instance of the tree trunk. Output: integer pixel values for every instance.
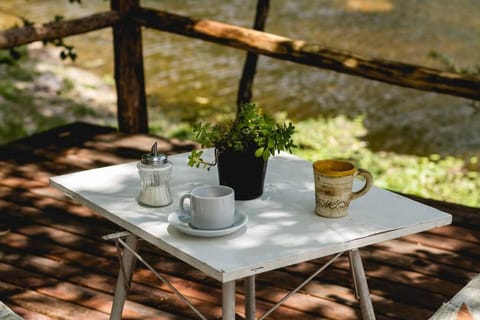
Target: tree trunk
(250, 67)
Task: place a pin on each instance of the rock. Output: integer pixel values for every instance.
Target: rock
(48, 82)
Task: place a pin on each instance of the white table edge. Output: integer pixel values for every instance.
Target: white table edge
(222, 276)
(326, 251)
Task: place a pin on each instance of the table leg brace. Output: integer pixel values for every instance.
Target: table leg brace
(127, 266)
(361, 285)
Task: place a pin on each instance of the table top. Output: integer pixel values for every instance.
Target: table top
(282, 227)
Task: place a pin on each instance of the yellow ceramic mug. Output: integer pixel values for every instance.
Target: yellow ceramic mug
(333, 186)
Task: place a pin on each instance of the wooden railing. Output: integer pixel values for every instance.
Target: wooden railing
(127, 17)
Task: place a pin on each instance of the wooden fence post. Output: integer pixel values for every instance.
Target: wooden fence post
(129, 73)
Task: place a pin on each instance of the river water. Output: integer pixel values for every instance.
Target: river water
(188, 80)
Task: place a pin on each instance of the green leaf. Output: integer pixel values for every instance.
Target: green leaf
(266, 154)
(251, 127)
(259, 152)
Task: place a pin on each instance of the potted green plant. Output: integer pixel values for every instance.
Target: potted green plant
(242, 148)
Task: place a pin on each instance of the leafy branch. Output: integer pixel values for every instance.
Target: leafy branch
(14, 54)
(251, 130)
(451, 66)
(68, 50)
(11, 55)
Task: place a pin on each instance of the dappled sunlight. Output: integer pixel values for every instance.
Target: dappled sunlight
(370, 5)
(8, 20)
(54, 255)
(55, 262)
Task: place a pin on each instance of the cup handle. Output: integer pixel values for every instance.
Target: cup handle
(182, 201)
(368, 183)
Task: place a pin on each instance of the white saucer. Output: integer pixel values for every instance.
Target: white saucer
(181, 222)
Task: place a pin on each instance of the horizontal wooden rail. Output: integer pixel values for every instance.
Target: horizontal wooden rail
(275, 46)
(402, 74)
(58, 29)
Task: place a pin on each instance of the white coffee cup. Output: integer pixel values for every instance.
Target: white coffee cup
(211, 207)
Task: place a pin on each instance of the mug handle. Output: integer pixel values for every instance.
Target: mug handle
(182, 201)
(368, 183)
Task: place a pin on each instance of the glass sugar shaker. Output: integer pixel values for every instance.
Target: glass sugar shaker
(155, 171)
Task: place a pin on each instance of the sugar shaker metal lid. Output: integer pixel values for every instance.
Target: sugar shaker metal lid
(154, 158)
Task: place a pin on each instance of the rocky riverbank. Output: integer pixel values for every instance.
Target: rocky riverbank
(41, 91)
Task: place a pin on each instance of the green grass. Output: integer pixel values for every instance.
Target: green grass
(443, 178)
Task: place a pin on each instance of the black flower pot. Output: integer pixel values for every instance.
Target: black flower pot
(243, 172)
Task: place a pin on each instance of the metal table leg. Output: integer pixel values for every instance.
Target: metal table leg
(361, 285)
(250, 298)
(127, 266)
(127, 263)
(228, 300)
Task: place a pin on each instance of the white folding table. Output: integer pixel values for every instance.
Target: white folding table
(282, 227)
